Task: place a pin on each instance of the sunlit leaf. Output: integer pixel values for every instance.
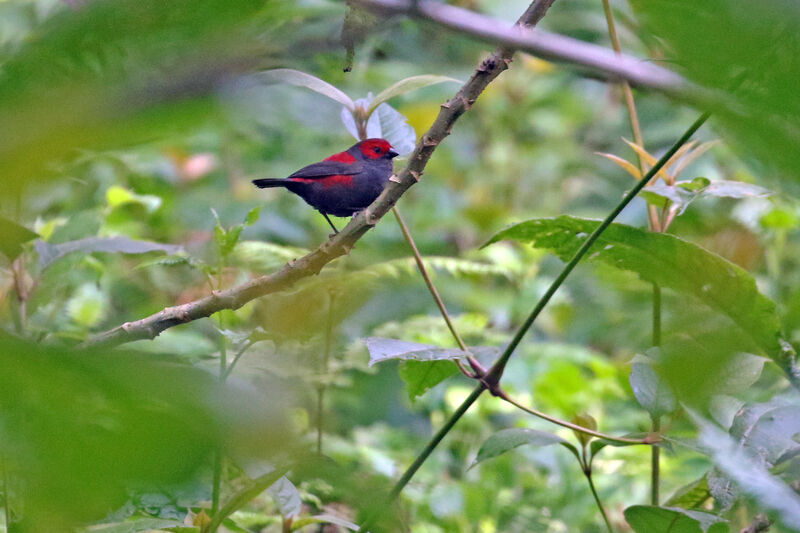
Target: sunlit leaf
(629, 167)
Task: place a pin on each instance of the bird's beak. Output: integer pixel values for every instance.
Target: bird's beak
(392, 154)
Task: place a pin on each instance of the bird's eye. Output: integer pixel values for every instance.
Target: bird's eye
(377, 149)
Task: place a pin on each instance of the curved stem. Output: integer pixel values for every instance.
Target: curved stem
(575, 427)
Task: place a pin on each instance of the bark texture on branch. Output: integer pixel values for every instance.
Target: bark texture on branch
(341, 243)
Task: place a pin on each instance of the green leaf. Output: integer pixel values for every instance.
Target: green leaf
(670, 262)
(323, 519)
(50, 253)
(693, 495)
(407, 85)
(651, 519)
(769, 429)
(117, 196)
(301, 79)
(13, 237)
(252, 216)
(422, 376)
(734, 189)
(381, 349)
(659, 193)
(508, 439)
(652, 393)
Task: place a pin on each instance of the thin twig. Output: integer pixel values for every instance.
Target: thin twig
(588, 474)
(438, 299)
(575, 427)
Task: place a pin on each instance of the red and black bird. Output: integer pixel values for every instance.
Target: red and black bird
(343, 183)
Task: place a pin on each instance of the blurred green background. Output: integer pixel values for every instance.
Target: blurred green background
(145, 121)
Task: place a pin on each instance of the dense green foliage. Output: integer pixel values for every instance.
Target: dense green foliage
(131, 131)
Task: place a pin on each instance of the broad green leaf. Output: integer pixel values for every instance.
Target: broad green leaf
(508, 439)
(650, 390)
(671, 262)
(381, 349)
(407, 85)
(659, 193)
(13, 237)
(286, 496)
(651, 519)
(301, 79)
(50, 253)
(748, 470)
(117, 196)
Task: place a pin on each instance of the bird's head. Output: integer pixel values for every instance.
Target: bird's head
(373, 149)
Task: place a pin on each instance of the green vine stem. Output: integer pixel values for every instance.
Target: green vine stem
(588, 474)
(491, 381)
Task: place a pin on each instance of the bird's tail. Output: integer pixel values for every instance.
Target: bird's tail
(265, 183)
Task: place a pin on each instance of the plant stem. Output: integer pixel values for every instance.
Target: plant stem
(655, 465)
(496, 372)
(216, 483)
(588, 473)
(570, 425)
(436, 297)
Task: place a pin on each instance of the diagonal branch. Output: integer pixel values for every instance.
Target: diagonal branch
(596, 58)
(344, 241)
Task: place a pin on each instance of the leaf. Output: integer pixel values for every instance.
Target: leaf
(690, 496)
(651, 519)
(88, 426)
(381, 349)
(324, 519)
(671, 262)
(407, 85)
(301, 79)
(624, 163)
(750, 472)
(690, 158)
(679, 196)
(50, 253)
(649, 159)
(117, 196)
(13, 237)
(137, 525)
(652, 393)
(252, 216)
(508, 439)
(286, 496)
(422, 376)
(769, 429)
(735, 189)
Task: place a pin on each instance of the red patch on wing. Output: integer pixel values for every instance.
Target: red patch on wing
(328, 181)
(341, 157)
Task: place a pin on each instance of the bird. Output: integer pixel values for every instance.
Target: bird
(344, 183)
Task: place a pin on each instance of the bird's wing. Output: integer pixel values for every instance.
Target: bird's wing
(328, 168)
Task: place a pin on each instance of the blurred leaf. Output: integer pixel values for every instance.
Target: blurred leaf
(750, 55)
(587, 421)
(668, 261)
(659, 193)
(650, 519)
(14, 236)
(749, 472)
(650, 390)
(629, 167)
(87, 427)
(508, 439)
(116, 73)
(735, 189)
(286, 496)
(687, 160)
(406, 85)
(140, 524)
(323, 519)
(88, 305)
(769, 429)
(50, 253)
(117, 196)
(381, 349)
(301, 79)
(263, 256)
